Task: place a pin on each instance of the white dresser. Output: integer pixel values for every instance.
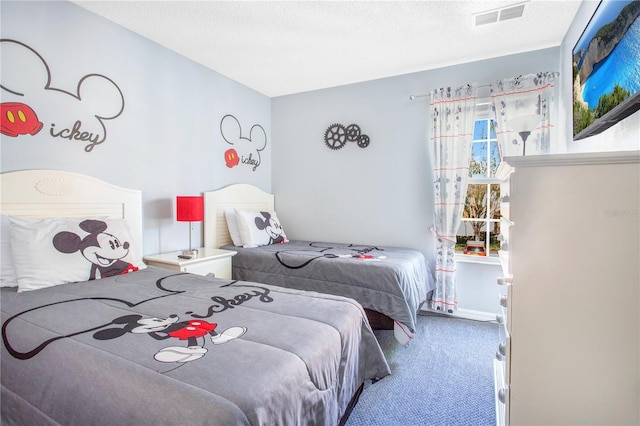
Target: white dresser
(570, 351)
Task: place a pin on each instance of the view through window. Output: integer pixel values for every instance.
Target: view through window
(480, 226)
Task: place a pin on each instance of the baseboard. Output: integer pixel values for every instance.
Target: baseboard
(462, 313)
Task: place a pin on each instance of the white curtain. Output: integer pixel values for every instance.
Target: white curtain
(522, 113)
(452, 116)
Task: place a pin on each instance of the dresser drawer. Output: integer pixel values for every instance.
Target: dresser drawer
(505, 261)
(505, 202)
(503, 353)
(504, 300)
(501, 372)
(505, 232)
(220, 268)
(501, 389)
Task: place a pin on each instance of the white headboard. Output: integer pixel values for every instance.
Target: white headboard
(239, 196)
(55, 193)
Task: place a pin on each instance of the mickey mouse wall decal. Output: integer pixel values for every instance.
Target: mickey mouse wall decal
(337, 135)
(245, 150)
(30, 101)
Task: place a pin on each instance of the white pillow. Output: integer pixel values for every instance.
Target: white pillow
(8, 277)
(260, 228)
(232, 225)
(48, 252)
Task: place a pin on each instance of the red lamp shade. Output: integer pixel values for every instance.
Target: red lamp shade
(190, 208)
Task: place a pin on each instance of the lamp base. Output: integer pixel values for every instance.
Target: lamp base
(192, 252)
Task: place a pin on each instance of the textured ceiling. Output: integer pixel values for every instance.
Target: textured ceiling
(285, 47)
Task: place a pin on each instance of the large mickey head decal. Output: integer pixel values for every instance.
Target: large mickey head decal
(26, 82)
(245, 150)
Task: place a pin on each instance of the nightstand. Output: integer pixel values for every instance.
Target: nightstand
(208, 261)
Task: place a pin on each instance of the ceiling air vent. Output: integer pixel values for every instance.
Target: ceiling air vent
(487, 18)
(511, 12)
(498, 15)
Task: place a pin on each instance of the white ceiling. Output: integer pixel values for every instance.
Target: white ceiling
(285, 47)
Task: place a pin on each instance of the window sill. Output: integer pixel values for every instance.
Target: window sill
(483, 260)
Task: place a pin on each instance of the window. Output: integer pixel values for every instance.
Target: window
(480, 226)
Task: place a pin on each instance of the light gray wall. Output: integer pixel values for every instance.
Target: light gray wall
(381, 194)
(166, 142)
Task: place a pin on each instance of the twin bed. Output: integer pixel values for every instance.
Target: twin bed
(91, 335)
(391, 283)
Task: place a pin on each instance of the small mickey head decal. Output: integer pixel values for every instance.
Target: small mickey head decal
(245, 150)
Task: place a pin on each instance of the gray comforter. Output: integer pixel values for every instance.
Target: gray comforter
(390, 280)
(159, 347)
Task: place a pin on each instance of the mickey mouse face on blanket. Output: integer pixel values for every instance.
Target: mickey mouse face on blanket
(190, 331)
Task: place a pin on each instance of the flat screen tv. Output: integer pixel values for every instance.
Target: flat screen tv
(606, 68)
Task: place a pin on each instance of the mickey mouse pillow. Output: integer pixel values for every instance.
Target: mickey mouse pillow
(260, 228)
(48, 252)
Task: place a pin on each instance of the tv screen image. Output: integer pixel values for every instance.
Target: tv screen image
(606, 68)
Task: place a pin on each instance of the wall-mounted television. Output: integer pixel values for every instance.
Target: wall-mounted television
(606, 68)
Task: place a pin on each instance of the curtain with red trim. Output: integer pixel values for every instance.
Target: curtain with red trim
(522, 107)
(452, 116)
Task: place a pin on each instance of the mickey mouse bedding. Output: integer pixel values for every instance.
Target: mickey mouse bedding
(392, 281)
(157, 347)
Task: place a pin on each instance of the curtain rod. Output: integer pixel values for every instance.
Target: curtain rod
(412, 97)
(554, 74)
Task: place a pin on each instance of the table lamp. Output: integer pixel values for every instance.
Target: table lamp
(190, 209)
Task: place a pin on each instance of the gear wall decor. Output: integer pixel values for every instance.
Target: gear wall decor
(337, 135)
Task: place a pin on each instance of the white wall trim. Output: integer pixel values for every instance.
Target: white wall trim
(464, 313)
(480, 260)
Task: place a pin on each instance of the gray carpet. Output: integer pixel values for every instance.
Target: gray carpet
(443, 377)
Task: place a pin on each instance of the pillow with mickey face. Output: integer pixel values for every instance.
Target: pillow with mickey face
(259, 228)
(48, 252)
